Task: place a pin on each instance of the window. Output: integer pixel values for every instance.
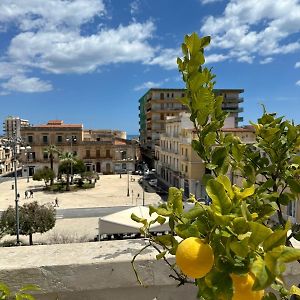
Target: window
(30, 139)
(45, 155)
(59, 139)
(97, 153)
(123, 166)
(88, 153)
(45, 139)
(107, 153)
(186, 169)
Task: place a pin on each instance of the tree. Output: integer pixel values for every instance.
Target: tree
(33, 218)
(67, 162)
(235, 225)
(52, 150)
(45, 174)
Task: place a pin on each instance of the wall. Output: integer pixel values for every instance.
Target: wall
(100, 270)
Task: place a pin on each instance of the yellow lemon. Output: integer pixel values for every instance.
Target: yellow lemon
(242, 287)
(194, 257)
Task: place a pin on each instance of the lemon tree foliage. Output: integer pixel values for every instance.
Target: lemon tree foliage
(23, 293)
(249, 253)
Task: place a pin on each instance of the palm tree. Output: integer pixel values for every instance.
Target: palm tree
(51, 150)
(66, 162)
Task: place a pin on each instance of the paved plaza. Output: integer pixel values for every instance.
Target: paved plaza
(110, 190)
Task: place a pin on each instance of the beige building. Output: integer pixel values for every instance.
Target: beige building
(6, 158)
(103, 151)
(176, 162)
(158, 104)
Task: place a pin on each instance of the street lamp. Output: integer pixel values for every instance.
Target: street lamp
(27, 153)
(12, 143)
(71, 140)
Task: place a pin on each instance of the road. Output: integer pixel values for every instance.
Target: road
(72, 213)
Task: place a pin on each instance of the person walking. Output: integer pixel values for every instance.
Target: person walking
(56, 202)
(26, 194)
(31, 193)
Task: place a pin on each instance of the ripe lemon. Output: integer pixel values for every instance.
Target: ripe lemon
(194, 257)
(242, 285)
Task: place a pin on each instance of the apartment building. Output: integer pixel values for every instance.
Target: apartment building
(12, 126)
(176, 162)
(103, 151)
(158, 104)
(6, 158)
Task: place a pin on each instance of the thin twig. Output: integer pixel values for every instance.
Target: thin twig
(133, 265)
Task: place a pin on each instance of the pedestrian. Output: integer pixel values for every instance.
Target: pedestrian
(18, 196)
(56, 202)
(26, 194)
(31, 194)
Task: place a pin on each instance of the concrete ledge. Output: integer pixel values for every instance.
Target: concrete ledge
(100, 270)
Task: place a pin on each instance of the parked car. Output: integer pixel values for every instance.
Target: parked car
(153, 182)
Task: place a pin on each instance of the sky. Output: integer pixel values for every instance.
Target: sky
(89, 61)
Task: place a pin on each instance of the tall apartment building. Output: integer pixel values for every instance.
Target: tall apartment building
(157, 104)
(12, 126)
(103, 151)
(176, 162)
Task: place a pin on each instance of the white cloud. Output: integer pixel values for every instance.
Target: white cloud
(213, 58)
(255, 28)
(134, 7)
(166, 58)
(297, 64)
(298, 82)
(147, 85)
(70, 52)
(151, 84)
(23, 84)
(266, 60)
(209, 1)
(50, 14)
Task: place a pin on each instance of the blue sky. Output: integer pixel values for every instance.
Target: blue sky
(89, 61)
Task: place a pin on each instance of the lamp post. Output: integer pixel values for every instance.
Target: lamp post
(27, 153)
(12, 143)
(128, 183)
(71, 140)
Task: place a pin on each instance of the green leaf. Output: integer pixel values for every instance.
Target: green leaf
(294, 290)
(247, 192)
(205, 41)
(161, 255)
(227, 184)
(263, 278)
(138, 219)
(21, 296)
(276, 239)
(186, 230)
(160, 211)
(193, 42)
(240, 225)
(259, 233)
(220, 201)
(161, 220)
(219, 158)
(294, 185)
(4, 289)
(194, 212)
(289, 254)
(167, 239)
(240, 248)
(30, 287)
(175, 200)
(209, 140)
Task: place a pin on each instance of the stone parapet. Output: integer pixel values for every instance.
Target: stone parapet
(100, 270)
